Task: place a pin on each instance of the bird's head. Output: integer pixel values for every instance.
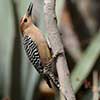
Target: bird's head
(26, 20)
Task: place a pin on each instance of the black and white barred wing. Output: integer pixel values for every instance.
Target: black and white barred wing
(32, 53)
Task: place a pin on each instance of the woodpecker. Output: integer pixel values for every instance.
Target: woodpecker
(38, 50)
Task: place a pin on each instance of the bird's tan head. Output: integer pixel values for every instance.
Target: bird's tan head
(26, 20)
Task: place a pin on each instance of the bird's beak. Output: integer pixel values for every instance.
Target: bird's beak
(29, 10)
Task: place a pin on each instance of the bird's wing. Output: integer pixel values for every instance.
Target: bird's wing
(32, 52)
(33, 55)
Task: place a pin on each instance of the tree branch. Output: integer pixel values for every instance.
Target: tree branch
(56, 43)
(69, 37)
(95, 86)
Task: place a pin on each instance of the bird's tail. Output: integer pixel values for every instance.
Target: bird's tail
(57, 84)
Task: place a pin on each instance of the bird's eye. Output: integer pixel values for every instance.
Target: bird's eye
(25, 20)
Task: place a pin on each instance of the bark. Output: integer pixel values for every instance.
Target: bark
(57, 46)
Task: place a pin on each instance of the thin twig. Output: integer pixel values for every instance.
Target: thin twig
(56, 44)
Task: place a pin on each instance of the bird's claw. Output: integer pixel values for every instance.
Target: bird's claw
(57, 54)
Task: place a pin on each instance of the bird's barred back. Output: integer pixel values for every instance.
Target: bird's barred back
(32, 53)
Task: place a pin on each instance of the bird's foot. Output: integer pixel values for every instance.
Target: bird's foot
(57, 54)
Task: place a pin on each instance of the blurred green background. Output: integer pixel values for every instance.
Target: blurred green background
(18, 78)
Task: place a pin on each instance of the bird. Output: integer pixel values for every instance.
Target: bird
(38, 49)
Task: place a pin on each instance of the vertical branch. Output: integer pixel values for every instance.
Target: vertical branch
(69, 37)
(95, 86)
(56, 44)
